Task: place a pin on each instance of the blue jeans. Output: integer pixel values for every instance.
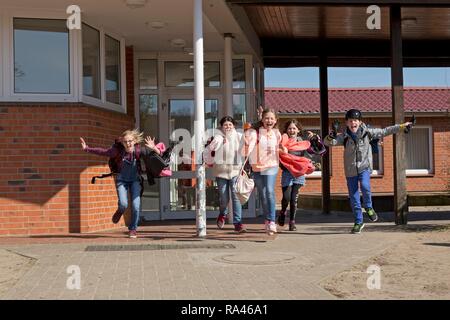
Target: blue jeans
(122, 191)
(128, 180)
(353, 191)
(225, 186)
(265, 184)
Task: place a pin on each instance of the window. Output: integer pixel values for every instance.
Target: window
(148, 76)
(112, 70)
(148, 114)
(103, 69)
(238, 74)
(419, 156)
(91, 62)
(239, 113)
(377, 157)
(181, 74)
(41, 56)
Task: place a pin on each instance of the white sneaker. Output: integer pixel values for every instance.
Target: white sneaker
(271, 228)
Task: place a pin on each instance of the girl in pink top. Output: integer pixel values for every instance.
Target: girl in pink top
(261, 145)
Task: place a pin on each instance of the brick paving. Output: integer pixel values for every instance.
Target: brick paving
(289, 265)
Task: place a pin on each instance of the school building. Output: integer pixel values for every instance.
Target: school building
(106, 66)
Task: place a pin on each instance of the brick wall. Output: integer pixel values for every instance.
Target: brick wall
(439, 181)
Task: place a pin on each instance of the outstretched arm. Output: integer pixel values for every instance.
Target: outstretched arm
(111, 152)
(378, 133)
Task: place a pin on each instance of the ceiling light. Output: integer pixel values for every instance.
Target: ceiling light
(134, 4)
(178, 43)
(157, 24)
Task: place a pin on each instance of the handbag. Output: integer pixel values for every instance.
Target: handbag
(244, 185)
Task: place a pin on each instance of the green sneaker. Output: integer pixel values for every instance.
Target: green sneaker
(372, 214)
(357, 227)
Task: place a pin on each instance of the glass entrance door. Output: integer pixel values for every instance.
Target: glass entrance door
(182, 185)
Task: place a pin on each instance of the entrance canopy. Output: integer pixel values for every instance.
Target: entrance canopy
(296, 33)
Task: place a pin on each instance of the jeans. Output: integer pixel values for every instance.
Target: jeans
(128, 180)
(353, 191)
(225, 186)
(265, 184)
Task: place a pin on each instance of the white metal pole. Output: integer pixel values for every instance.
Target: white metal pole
(228, 110)
(199, 124)
(228, 66)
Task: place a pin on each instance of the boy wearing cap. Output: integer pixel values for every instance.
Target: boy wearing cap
(358, 161)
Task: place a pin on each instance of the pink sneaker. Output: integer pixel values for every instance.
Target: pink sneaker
(271, 227)
(132, 234)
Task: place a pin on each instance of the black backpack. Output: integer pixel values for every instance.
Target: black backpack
(155, 163)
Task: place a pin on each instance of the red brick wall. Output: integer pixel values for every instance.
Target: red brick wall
(439, 181)
(45, 176)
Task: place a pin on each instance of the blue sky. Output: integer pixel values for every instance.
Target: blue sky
(355, 77)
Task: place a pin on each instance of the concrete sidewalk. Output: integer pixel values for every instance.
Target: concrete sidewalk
(167, 261)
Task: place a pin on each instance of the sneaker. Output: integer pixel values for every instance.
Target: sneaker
(281, 218)
(132, 234)
(220, 221)
(292, 226)
(372, 214)
(271, 228)
(240, 228)
(116, 216)
(357, 227)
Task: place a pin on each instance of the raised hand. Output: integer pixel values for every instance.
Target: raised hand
(83, 144)
(150, 143)
(260, 112)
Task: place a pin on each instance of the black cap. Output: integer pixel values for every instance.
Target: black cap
(353, 114)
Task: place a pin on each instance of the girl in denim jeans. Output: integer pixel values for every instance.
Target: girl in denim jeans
(262, 145)
(225, 167)
(128, 178)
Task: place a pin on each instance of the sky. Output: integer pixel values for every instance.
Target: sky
(354, 77)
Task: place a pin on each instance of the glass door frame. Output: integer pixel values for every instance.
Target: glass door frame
(166, 212)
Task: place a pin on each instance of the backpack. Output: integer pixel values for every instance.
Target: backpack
(155, 164)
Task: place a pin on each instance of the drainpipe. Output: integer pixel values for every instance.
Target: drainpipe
(199, 123)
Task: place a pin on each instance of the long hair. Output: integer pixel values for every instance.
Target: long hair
(138, 137)
(260, 124)
(294, 122)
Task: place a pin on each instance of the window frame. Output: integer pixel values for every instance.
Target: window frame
(102, 103)
(75, 43)
(8, 59)
(430, 170)
(378, 173)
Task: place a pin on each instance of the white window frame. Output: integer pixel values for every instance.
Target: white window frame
(102, 103)
(378, 173)
(317, 174)
(8, 59)
(138, 91)
(424, 172)
(248, 90)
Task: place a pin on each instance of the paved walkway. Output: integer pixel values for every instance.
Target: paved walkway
(167, 261)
